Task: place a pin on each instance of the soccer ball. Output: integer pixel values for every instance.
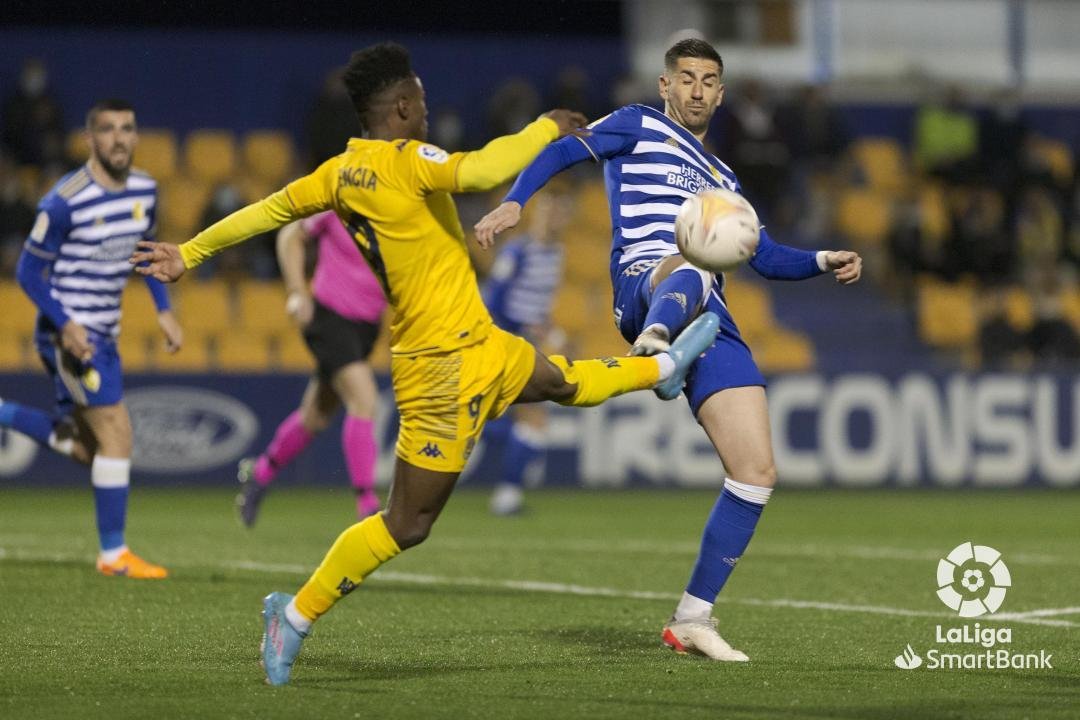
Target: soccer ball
(717, 230)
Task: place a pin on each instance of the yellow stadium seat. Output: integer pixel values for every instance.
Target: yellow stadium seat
(134, 347)
(947, 313)
(587, 258)
(573, 308)
(210, 155)
(182, 202)
(205, 305)
(881, 162)
(262, 307)
(243, 351)
(193, 356)
(13, 351)
(864, 216)
(17, 313)
(157, 153)
(751, 306)
(28, 178)
(1070, 302)
(1057, 156)
(268, 155)
(138, 312)
(1019, 309)
(75, 146)
(933, 211)
(252, 189)
(293, 354)
(784, 351)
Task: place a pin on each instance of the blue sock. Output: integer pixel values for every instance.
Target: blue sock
(727, 533)
(521, 451)
(29, 421)
(109, 477)
(675, 300)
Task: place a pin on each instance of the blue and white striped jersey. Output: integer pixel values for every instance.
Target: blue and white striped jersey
(521, 288)
(651, 164)
(88, 233)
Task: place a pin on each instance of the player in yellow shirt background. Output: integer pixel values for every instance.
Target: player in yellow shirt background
(451, 368)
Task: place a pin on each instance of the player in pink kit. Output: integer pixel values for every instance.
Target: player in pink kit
(339, 318)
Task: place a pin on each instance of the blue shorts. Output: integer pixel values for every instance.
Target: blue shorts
(727, 363)
(98, 382)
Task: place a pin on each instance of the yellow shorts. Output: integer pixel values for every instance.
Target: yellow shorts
(445, 398)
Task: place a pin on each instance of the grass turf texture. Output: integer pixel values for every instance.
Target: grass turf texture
(469, 643)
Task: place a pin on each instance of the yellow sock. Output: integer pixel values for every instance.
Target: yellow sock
(598, 380)
(354, 555)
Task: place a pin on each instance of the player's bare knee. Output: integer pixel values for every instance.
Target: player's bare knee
(762, 475)
(411, 534)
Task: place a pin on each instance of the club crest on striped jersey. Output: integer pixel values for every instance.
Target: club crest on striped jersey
(138, 212)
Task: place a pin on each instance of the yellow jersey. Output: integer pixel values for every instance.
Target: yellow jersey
(394, 198)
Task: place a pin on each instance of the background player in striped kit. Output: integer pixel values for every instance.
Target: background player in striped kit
(74, 267)
(519, 294)
(339, 317)
(653, 161)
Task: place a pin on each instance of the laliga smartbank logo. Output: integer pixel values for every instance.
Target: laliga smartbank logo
(972, 581)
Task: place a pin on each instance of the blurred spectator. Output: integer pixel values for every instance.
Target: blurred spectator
(754, 146)
(1039, 230)
(979, 240)
(816, 137)
(1001, 346)
(332, 120)
(814, 131)
(946, 136)
(1052, 339)
(16, 216)
(33, 125)
(448, 130)
(254, 258)
(1001, 144)
(514, 105)
(571, 91)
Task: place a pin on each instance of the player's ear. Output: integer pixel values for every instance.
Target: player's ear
(664, 83)
(403, 107)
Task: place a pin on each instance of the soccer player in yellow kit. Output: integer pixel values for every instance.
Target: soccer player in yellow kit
(452, 369)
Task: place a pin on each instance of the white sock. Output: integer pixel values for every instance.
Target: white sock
(112, 555)
(692, 608)
(300, 623)
(750, 493)
(667, 366)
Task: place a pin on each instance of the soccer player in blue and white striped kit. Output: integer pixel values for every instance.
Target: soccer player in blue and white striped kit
(74, 267)
(653, 161)
(519, 293)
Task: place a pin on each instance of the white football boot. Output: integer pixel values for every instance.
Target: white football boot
(699, 636)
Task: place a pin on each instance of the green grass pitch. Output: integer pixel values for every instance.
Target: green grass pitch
(555, 614)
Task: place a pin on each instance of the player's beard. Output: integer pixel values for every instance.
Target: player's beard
(116, 170)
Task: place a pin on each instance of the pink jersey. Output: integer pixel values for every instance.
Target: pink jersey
(343, 281)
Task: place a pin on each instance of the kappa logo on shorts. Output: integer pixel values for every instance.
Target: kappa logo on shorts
(431, 450)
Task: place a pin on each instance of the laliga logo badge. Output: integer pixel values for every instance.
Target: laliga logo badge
(972, 580)
(91, 380)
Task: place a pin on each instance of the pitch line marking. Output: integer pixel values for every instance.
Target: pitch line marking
(1032, 617)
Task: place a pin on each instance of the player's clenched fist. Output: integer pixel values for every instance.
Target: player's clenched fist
(159, 260)
(569, 121)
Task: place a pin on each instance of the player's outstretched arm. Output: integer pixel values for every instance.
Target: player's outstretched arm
(506, 156)
(300, 198)
(555, 158)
